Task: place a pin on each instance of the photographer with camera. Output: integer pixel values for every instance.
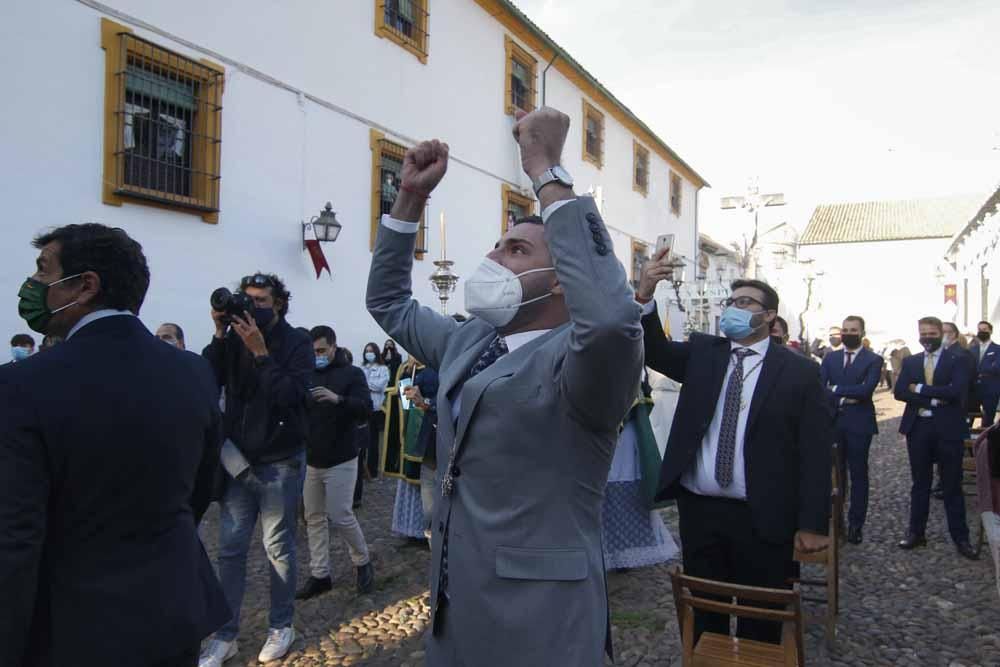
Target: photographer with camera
(264, 365)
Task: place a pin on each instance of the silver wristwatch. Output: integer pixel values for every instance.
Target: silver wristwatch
(556, 174)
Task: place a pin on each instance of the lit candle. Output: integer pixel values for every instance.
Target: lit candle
(444, 243)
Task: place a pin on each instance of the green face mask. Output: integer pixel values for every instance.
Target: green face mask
(33, 306)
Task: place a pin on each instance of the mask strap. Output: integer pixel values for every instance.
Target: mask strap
(518, 305)
(62, 280)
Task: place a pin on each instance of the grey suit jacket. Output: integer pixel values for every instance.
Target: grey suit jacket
(535, 439)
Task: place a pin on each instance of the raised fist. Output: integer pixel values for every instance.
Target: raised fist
(425, 165)
(541, 135)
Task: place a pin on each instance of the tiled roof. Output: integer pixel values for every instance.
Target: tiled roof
(891, 220)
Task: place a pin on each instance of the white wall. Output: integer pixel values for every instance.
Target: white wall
(976, 250)
(889, 283)
(283, 157)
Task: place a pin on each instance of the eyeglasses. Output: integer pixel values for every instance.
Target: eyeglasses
(257, 280)
(742, 302)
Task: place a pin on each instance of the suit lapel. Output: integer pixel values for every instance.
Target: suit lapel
(720, 364)
(769, 373)
(506, 366)
(939, 369)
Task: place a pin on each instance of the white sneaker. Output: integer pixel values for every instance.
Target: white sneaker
(217, 652)
(279, 640)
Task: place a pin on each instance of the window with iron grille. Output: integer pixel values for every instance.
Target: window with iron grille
(593, 135)
(162, 125)
(515, 206)
(404, 22)
(521, 72)
(675, 194)
(640, 175)
(387, 169)
(640, 254)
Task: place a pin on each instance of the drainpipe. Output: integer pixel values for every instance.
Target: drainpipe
(545, 72)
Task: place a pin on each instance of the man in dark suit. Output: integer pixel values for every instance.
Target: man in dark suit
(748, 458)
(851, 375)
(933, 385)
(108, 448)
(986, 355)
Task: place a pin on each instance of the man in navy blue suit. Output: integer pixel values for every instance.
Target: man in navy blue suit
(934, 385)
(109, 443)
(851, 375)
(986, 354)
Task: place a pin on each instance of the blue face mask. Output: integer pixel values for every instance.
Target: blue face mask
(19, 353)
(735, 323)
(322, 362)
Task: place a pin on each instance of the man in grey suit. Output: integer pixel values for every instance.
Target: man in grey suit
(532, 391)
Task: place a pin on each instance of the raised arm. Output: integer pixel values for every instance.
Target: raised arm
(662, 355)
(422, 331)
(605, 342)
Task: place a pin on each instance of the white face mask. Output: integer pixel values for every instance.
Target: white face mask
(494, 293)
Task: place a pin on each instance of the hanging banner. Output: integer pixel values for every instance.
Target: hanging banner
(951, 294)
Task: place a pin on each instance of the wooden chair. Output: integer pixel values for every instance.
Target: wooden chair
(715, 650)
(829, 558)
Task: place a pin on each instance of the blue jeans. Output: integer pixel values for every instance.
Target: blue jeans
(271, 490)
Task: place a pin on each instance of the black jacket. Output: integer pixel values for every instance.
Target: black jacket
(332, 428)
(789, 433)
(265, 414)
(108, 446)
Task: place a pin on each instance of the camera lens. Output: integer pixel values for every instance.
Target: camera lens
(220, 299)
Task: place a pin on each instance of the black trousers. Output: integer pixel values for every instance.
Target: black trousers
(719, 543)
(854, 449)
(925, 446)
(188, 658)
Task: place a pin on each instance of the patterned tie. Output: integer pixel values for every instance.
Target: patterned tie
(497, 349)
(929, 368)
(726, 453)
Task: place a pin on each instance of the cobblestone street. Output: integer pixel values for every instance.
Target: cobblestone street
(928, 607)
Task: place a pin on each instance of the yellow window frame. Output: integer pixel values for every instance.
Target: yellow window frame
(419, 43)
(381, 146)
(591, 112)
(640, 156)
(513, 52)
(119, 43)
(508, 196)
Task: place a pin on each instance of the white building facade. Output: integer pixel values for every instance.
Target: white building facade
(972, 283)
(210, 133)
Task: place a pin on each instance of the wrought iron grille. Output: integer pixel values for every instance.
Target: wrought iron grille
(522, 85)
(407, 19)
(595, 137)
(168, 126)
(642, 168)
(390, 170)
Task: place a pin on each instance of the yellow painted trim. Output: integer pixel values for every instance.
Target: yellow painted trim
(528, 35)
(638, 152)
(411, 45)
(593, 112)
(637, 248)
(676, 186)
(509, 195)
(375, 140)
(208, 124)
(512, 52)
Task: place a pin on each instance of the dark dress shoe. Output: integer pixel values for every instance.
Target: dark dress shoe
(854, 534)
(366, 578)
(912, 541)
(937, 493)
(314, 587)
(966, 550)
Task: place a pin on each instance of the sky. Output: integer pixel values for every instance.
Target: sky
(821, 100)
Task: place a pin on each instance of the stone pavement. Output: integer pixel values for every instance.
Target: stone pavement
(928, 607)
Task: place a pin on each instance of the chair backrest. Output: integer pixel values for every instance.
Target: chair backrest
(787, 611)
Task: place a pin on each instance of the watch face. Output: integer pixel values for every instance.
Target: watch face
(562, 175)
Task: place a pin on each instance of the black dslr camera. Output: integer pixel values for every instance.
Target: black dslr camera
(231, 303)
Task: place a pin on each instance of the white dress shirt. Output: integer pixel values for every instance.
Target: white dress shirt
(97, 315)
(700, 478)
